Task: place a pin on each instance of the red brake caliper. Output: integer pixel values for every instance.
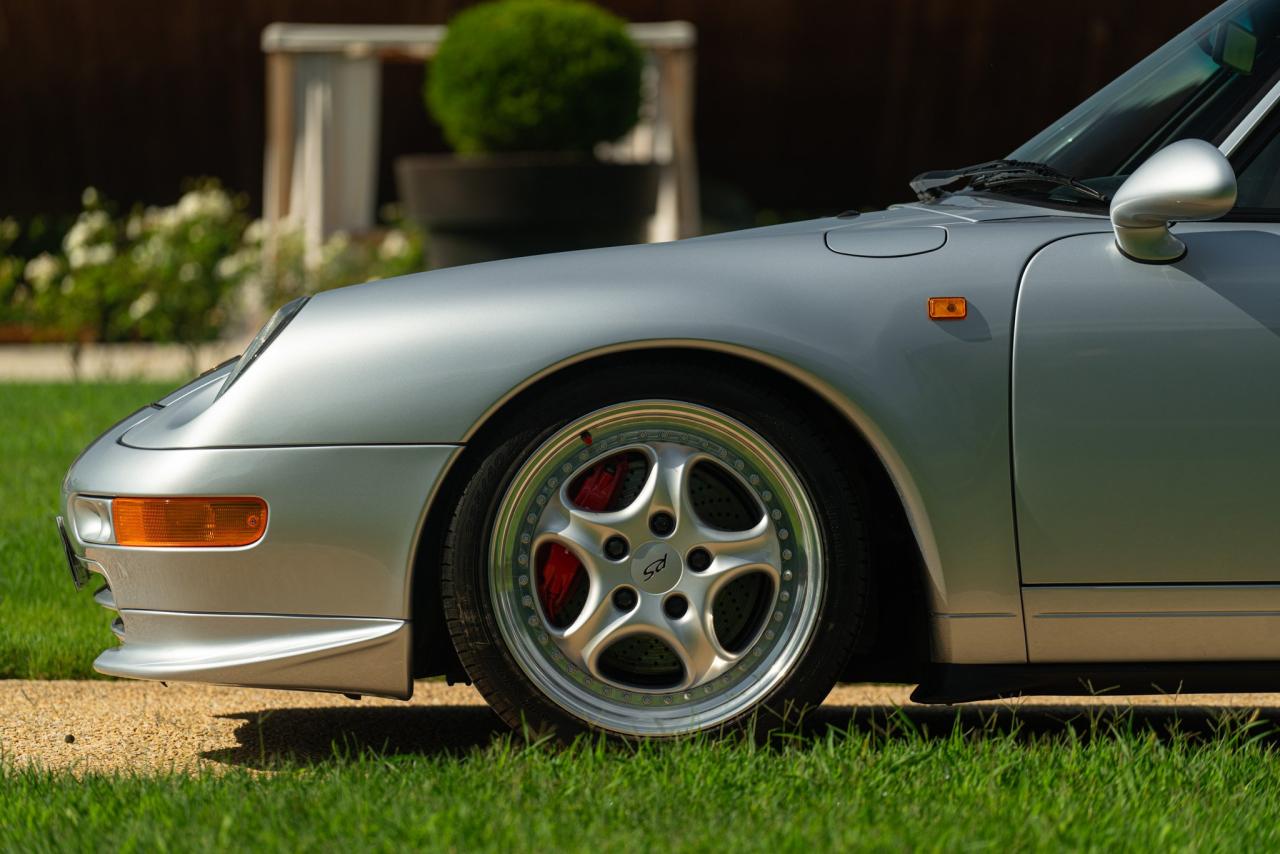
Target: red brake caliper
(597, 492)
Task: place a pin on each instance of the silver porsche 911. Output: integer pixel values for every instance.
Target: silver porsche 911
(1022, 436)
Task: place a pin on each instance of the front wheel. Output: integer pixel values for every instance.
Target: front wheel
(671, 559)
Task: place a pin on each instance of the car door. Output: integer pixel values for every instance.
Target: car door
(1146, 441)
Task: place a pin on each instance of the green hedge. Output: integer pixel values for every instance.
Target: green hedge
(535, 75)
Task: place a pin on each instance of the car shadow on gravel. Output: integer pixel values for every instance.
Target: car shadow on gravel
(308, 736)
(311, 736)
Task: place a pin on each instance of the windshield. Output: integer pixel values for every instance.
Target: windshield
(1199, 86)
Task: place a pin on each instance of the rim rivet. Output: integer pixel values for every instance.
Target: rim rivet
(662, 523)
(699, 559)
(616, 547)
(624, 598)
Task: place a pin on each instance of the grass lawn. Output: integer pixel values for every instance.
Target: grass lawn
(46, 630)
(1122, 789)
(1131, 785)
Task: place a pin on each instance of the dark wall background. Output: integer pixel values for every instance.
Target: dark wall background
(803, 105)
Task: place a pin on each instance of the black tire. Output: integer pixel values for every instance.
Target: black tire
(838, 495)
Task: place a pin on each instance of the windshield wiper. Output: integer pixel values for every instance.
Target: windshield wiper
(995, 175)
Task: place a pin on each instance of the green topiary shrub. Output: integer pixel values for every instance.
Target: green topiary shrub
(534, 75)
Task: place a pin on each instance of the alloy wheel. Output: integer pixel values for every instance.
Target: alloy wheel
(655, 568)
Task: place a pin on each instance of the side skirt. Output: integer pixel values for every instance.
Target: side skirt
(963, 683)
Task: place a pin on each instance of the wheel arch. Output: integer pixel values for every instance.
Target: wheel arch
(897, 647)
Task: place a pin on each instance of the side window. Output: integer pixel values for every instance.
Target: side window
(1259, 181)
(1257, 165)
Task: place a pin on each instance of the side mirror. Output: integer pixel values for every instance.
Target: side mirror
(1185, 182)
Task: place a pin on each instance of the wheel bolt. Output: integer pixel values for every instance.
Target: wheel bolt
(676, 607)
(662, 524)
(699, 559)
(624, 598)
(616, 547)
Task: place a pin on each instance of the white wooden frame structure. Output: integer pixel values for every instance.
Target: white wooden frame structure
(323, 95)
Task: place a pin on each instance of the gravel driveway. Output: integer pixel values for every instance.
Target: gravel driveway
(144, 726)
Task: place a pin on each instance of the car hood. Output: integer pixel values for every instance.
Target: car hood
(950, 210)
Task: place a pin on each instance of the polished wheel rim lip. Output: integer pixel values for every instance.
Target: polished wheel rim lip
(718, 694)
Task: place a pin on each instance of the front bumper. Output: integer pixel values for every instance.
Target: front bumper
(320, 602)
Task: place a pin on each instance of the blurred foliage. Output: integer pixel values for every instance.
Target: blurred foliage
(535, 75)
(185, 272)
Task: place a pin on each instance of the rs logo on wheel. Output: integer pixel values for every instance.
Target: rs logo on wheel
(654, 568)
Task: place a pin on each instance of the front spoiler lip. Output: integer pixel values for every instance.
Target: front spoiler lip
(343, 654)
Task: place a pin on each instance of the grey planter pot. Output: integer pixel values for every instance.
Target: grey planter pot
(485, 208)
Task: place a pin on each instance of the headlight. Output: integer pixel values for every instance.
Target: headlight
(265, 336)
(91, 517)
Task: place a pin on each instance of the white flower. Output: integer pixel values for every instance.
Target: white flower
(90, 256)
(133, 229)
(142, 306)
(149, 254)
(90, 198)
(256, 231)
(228, 266)
(237, 263)
(211, 203)
(87, 229)
(161, 219)
(393, 245)
(42, 269)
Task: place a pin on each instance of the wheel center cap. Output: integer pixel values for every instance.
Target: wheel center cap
(656, 567)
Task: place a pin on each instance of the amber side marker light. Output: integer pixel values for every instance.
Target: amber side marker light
(948, 308)
(188, 522)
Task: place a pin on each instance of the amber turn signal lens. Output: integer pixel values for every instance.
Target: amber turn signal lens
(948, 308)
(188, 522)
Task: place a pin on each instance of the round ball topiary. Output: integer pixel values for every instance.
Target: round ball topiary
(534, 75)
